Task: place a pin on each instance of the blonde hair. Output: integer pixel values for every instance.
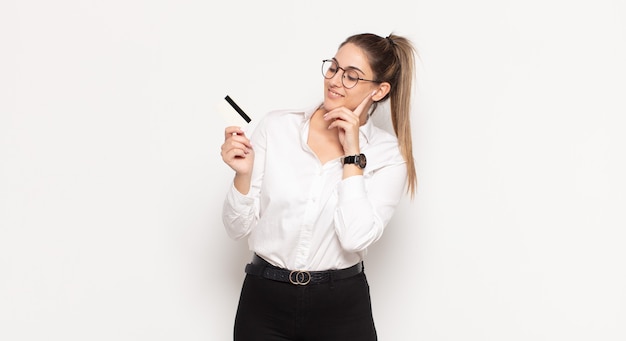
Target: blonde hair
(392, 60)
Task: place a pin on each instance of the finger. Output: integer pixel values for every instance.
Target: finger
(232, 145)
(341, 113)
(238, 153)
(233, 154)
(366, 101)
(341, 124)
(232, 137)
(226, 147)
(232, 130)
(241, 141)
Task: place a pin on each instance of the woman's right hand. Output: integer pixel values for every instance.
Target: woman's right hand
(237, 151)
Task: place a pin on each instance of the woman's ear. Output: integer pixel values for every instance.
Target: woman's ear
(382, 91)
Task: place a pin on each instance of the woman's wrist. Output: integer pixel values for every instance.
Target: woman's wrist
(242, 183)
(350, 169)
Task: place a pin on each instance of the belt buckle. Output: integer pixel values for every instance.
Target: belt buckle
(298, 277)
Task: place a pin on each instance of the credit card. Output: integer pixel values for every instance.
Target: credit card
(232, 113)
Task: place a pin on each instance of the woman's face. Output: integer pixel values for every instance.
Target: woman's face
(349, 56)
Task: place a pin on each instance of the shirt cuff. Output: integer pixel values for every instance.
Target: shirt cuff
(351, 189)
(239, 202)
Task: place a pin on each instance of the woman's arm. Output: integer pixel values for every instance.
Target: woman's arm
(240, 211)
(366, 205)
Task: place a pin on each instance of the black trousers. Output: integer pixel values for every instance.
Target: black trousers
(271, 311)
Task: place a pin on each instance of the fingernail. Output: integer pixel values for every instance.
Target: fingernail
(373, 92)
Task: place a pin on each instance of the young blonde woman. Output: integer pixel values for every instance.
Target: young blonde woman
(313, 189)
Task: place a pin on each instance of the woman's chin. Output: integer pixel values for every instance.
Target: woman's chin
(330, 104)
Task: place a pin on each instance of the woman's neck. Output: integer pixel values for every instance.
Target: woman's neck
(323, 141)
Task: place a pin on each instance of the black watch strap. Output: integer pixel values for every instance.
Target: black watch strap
(360, 160)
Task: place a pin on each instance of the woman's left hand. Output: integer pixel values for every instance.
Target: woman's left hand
(347, 123)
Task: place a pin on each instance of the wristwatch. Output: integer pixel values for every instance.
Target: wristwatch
(358, 160)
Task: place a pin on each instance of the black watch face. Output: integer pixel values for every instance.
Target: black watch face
(362, 161)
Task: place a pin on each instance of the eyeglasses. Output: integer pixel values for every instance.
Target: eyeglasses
(350, 77)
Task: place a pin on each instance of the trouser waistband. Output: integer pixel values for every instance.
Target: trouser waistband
(260, 267)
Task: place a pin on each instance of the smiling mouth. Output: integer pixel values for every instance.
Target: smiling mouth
(335, 93)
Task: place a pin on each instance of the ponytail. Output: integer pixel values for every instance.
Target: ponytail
(393, 60)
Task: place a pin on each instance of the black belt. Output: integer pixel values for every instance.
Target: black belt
(260, 267)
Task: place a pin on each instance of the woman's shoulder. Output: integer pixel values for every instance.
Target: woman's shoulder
(384, 145)
(382, 138)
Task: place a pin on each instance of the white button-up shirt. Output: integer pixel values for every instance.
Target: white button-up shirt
(299, 214)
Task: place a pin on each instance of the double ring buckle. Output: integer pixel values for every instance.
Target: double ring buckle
(299, 277)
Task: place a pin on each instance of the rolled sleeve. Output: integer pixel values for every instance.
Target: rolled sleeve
(239, 213)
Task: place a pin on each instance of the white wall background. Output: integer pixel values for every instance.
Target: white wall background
(111, 182)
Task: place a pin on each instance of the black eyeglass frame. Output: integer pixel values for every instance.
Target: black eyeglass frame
(344, 73)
